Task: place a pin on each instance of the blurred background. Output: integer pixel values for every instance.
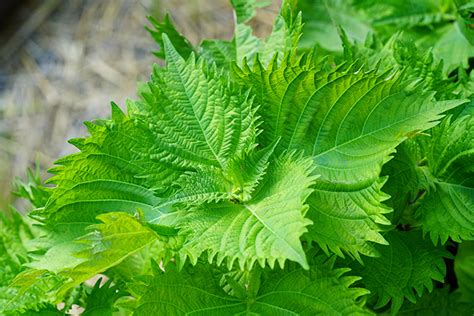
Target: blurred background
(63, 61)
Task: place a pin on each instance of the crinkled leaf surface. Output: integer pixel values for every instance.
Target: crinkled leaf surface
(350, 121)
(267, 227)
(181, 44)
(293, 291)
(116, 238)
(438, 302)
(447, 211)
(191, 118)
(407, 177)
(405, 267)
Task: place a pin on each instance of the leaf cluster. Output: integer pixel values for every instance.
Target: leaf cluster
(325, 169)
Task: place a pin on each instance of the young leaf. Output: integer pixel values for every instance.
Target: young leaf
(266, 228)
(180, 43)
(201, 119)
(245, 46)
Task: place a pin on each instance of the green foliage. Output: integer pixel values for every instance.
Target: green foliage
(405, 267)
(100, 299)
(269, 176)
(196, 290)
(444, 26)
(446, 211)
(439, 302)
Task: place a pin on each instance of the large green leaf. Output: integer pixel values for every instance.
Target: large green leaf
(190, 118)
(200, 118)
(293, 291)
(350, 121)
(406, 266)
(265, 228)
(454, 48)
(447, 210)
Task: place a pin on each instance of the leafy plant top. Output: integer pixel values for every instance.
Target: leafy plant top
(268, 176)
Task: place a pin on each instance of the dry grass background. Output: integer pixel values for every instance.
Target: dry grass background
(68, 59)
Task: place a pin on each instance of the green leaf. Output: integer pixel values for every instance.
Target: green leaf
(266, 228)
(348, 219)
(181, 44)
(454, 48)
(239, 179)
(101, 299)
(247, 171)
(31, 291)
(446, 211)
(403, 14)
(32, 189)
(202, 121)
(118, 237)
(293, 291)
(107, 175)
(245, 46)
(408, 176)
(438, 302)
(14, 233)
(350, 121)
(405, 267)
